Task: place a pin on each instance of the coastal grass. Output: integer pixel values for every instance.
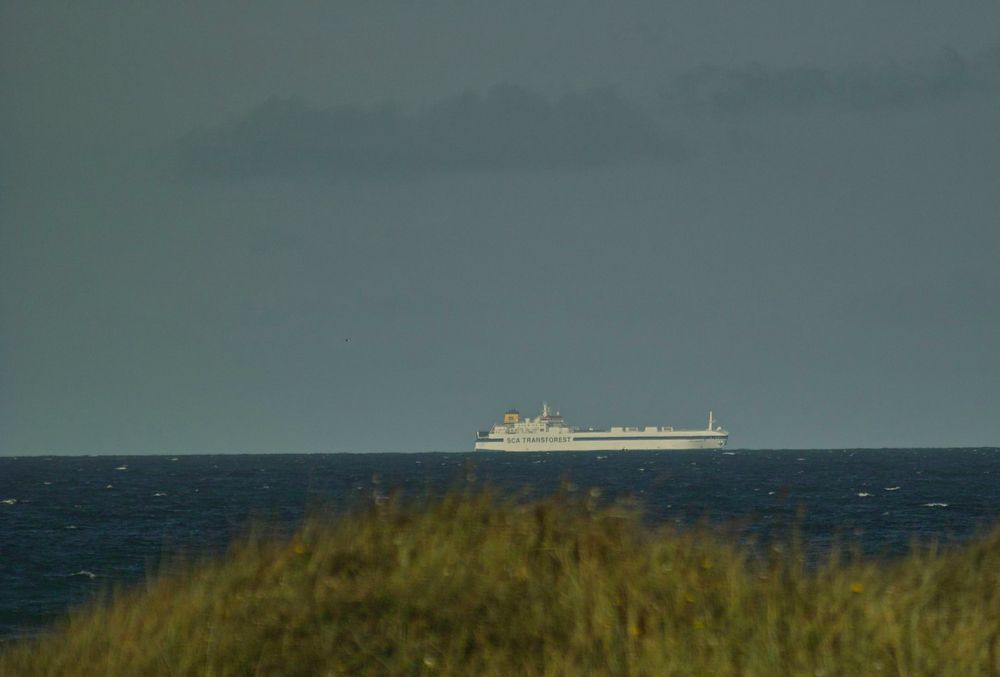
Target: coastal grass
(473, 585)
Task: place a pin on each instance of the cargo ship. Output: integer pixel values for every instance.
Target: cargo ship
(549, 432)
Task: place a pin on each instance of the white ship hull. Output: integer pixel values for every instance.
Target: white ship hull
(550, 433)
(598, 444)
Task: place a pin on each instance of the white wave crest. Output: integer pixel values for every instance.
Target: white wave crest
(9, 501)
(936, 505)
(863, 494)
(892, 488)
(83, 572)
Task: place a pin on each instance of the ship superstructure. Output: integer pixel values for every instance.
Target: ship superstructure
(549, 432)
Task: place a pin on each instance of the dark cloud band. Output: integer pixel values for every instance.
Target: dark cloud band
(896, 85)
(508, 128)
(514, 128)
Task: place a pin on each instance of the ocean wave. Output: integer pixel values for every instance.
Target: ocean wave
(83, 572)
(122, 467)
(892, 488)
(863, 494)
(936, 505)
(160, 493)
(9, 501)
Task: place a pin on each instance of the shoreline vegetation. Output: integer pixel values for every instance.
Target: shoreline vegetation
(473, 585)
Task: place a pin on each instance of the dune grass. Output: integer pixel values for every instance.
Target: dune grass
(471, 585)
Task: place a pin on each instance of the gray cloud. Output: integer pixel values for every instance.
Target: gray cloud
(508, 128)
(898, 85)
(513, 128)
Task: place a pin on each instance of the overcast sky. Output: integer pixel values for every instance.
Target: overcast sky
(363, 226)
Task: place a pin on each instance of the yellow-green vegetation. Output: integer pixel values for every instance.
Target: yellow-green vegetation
(470, 585)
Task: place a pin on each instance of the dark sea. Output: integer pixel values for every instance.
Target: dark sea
(72, 527)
